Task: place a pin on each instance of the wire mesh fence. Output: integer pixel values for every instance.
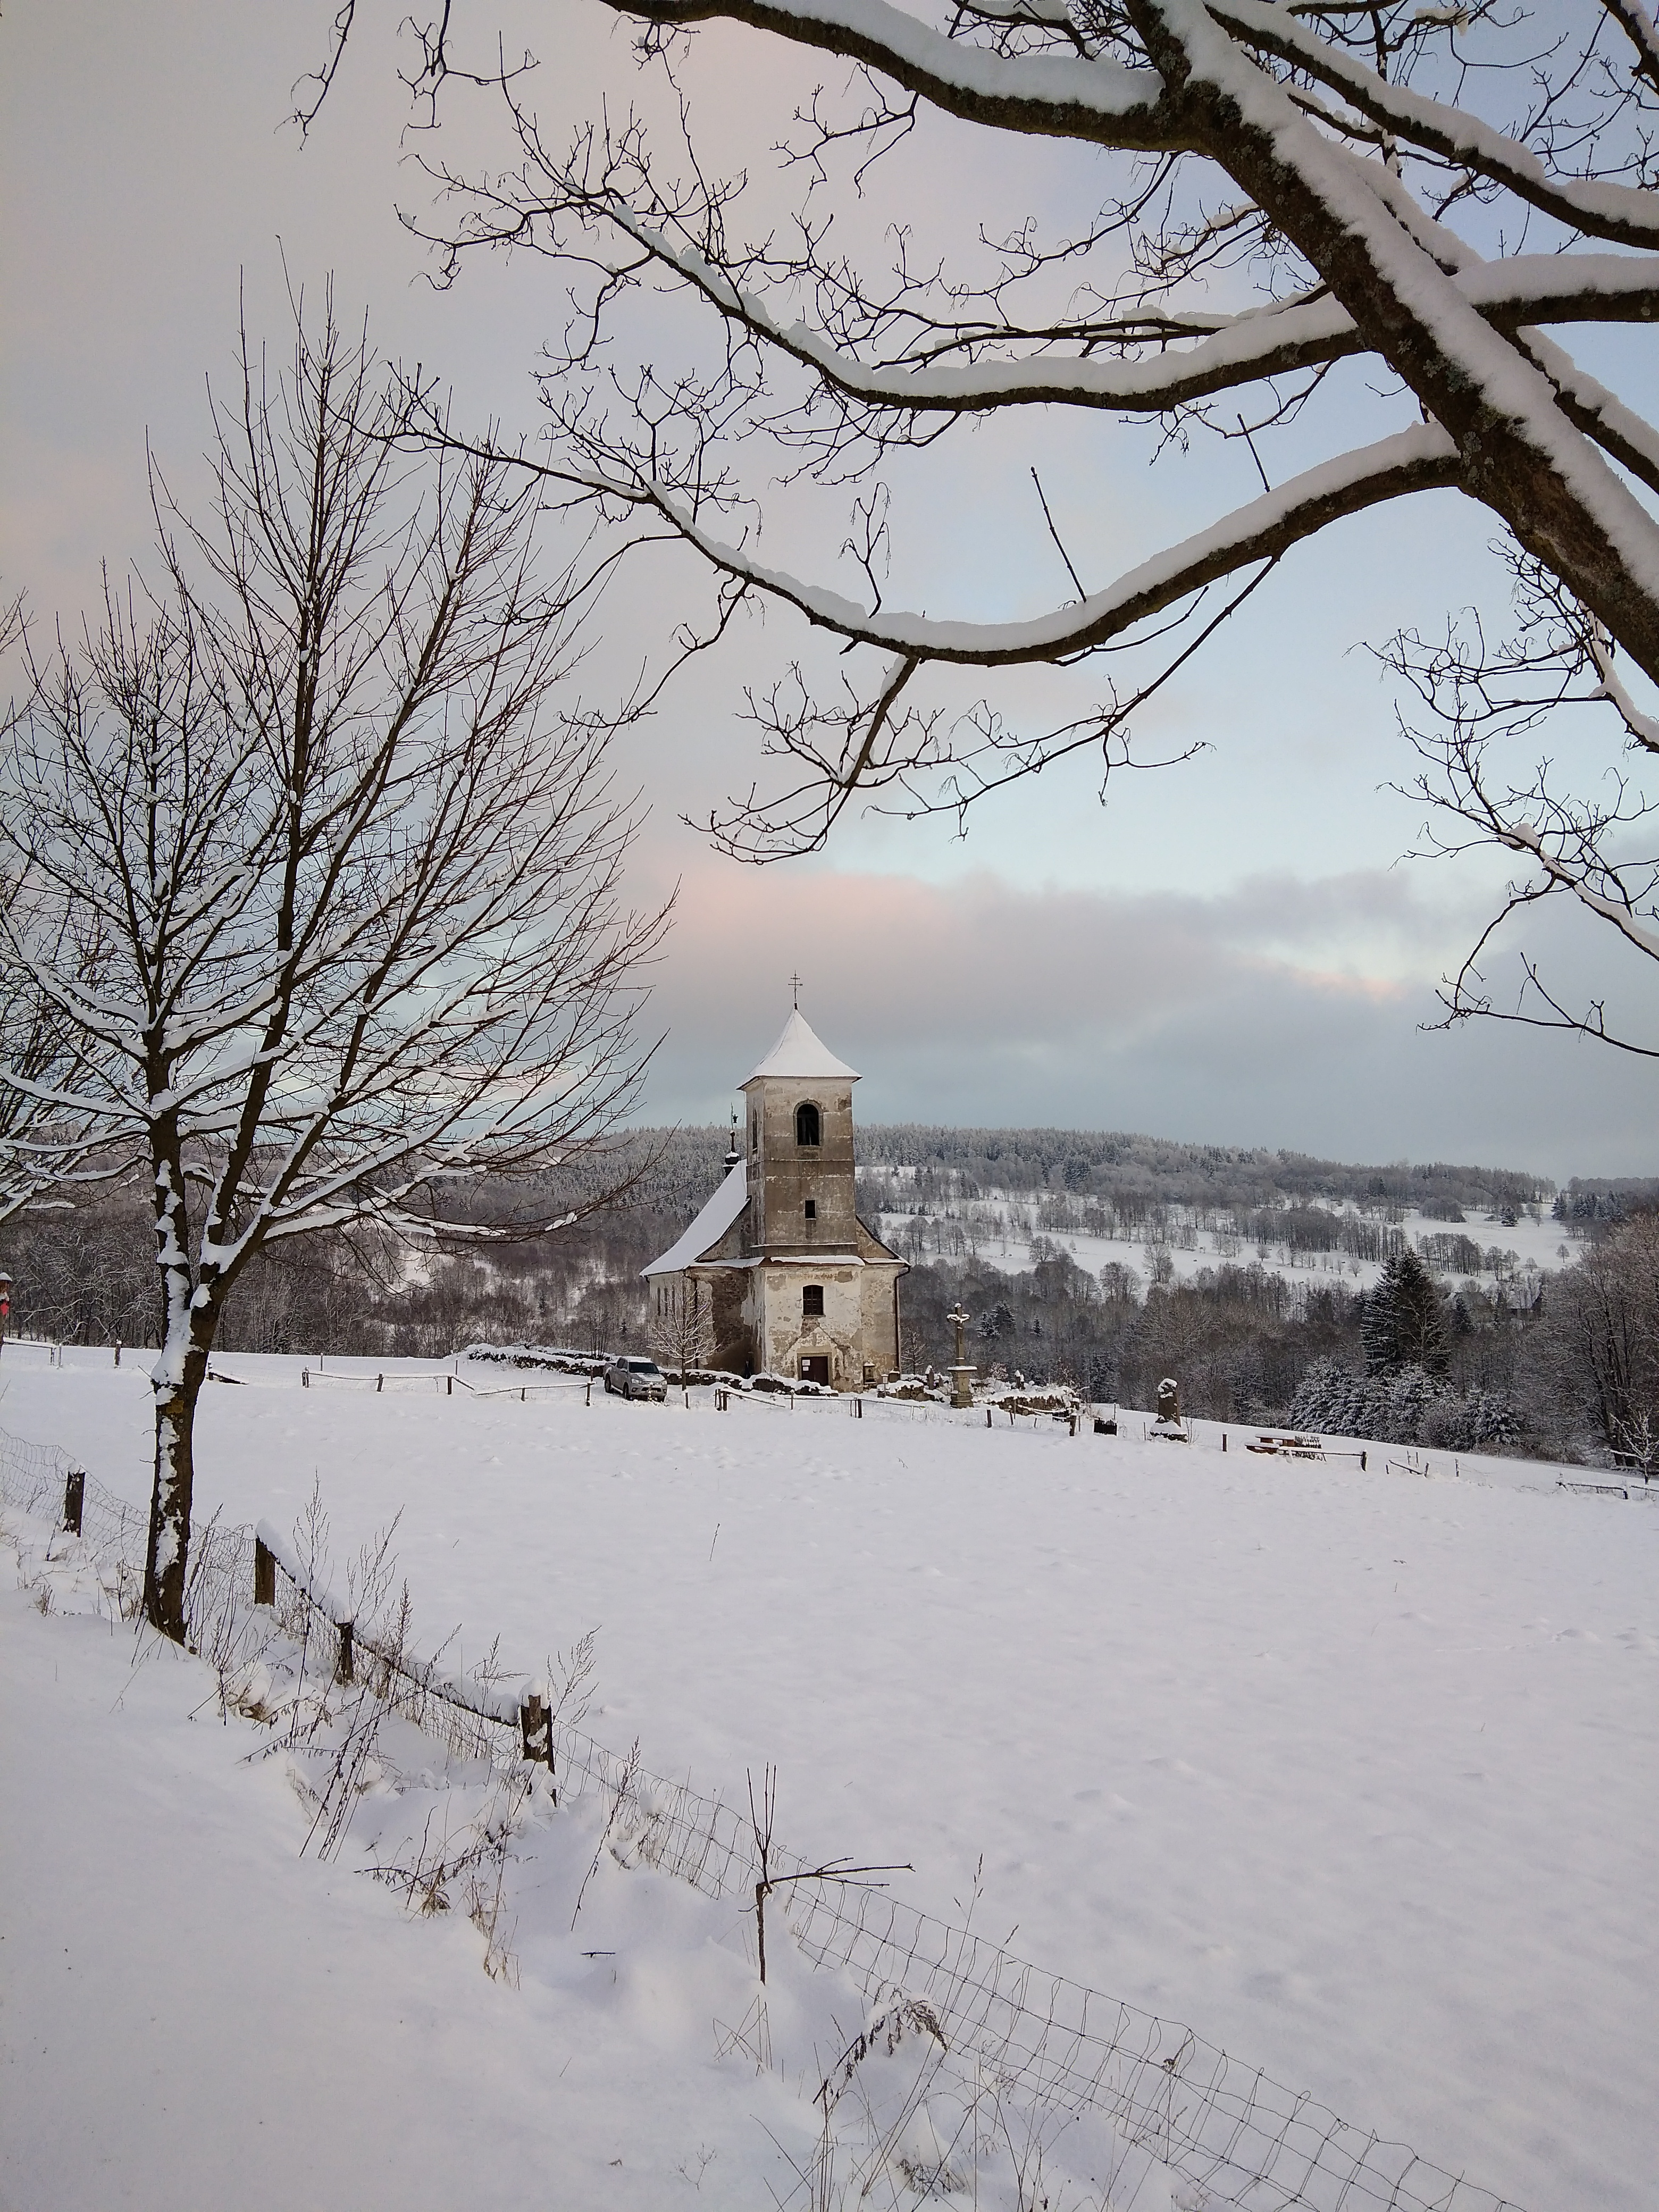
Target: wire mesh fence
(1226, 2127)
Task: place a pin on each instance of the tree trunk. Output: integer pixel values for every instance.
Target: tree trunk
(179, 1375)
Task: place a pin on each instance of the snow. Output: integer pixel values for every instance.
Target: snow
(711, 1224)
(1352, 1772)
(800, 1051)
(200, 2016)
(997, 1229)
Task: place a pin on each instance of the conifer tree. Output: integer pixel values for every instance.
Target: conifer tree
(1403, 1324)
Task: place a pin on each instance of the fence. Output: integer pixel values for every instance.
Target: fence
(1223, 2125)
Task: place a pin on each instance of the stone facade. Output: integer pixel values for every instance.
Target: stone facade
(799, 1286)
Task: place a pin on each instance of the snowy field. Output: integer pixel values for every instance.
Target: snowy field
(985, 1225)
(1353, 1773)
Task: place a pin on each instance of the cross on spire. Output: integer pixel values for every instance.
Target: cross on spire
(795, 985)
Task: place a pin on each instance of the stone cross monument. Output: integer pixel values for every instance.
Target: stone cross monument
(962, 1375)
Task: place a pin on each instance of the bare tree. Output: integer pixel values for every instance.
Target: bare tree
(43, 1151)
(36, 1042)
(352, 852)
(1487, 704)
(682, 1331)
(1602, 1322)
(1403, 209)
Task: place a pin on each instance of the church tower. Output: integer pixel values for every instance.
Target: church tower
(796, 1285)
(800, 1148)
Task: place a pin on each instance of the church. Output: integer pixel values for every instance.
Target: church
(791, 1281)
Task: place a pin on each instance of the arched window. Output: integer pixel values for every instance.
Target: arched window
(807, 1124)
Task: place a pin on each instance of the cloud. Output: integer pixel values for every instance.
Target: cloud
(1282, 1011)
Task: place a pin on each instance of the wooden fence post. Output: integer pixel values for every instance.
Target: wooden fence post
(379, 1382)
(343, 1669)
(536, 1729)
(118, 1352)
(75, 1498)
(264, 1575)
(305, 1379)
(449, 1386)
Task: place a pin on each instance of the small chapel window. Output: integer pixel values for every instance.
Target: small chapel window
(812, 1301)
(807, 1124)
(812, 1209)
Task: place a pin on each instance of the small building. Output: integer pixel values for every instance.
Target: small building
(794, 1283)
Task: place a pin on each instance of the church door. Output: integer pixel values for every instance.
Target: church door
(815, 1367)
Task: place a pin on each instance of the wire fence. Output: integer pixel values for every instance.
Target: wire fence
(1229, 2128)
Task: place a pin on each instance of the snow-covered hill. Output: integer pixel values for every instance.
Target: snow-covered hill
(1011, 1231)
(1354, 1773)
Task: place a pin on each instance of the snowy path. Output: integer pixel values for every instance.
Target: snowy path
(1354, 1774)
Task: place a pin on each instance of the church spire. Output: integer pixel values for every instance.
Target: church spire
(799, 1053)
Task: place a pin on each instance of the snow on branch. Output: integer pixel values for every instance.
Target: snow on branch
(1410, 460)
(1622, 214)
(1074, 96)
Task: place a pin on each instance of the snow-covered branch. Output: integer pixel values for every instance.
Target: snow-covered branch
(1624, 215)
(1412, 460)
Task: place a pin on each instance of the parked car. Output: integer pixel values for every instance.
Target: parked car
(635, 1378)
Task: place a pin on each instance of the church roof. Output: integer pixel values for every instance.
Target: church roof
(798, 1052)
(710, 1225)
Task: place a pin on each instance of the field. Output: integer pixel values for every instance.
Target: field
(997, 1228)
(1354, 1773)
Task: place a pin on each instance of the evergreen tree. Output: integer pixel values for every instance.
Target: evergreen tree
(1403, 1325)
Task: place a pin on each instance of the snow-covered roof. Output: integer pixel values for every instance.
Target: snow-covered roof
(710, 1225)
(799, 1052)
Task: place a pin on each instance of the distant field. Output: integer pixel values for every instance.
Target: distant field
(987, 1229)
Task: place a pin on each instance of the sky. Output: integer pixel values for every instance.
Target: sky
(1234, 951)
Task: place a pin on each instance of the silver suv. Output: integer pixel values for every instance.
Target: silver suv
(635, 1378)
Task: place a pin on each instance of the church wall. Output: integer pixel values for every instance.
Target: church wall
(735, 1342)
(789, 1335)
(880, 1336)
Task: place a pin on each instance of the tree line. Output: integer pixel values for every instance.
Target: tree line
(1571, 1374)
